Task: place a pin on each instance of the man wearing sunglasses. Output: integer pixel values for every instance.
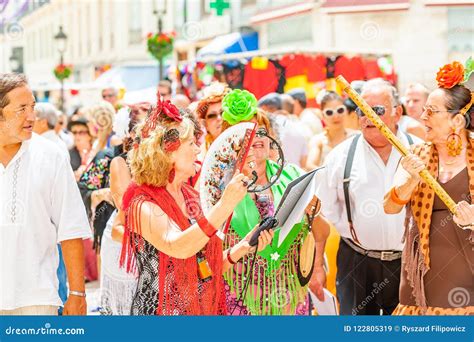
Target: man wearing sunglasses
(358, 173)
(111, 95)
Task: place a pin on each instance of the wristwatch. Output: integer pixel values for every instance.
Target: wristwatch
(77, 293)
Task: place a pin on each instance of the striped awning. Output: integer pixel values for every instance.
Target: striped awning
(349, 6)
(280, 12)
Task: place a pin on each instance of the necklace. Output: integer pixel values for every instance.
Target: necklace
(14, 192)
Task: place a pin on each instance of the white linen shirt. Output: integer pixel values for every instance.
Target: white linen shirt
(370, 179)
(49, 209)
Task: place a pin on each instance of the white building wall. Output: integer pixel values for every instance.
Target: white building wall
(416, 37)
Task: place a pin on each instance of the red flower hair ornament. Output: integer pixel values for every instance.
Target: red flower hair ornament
(165, 111)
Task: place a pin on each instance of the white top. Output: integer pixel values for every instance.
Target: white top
(52, 136)
(310, 123)
(40, 206)
(405, 121)
(371, 179)
(293, 141)
(67, 138)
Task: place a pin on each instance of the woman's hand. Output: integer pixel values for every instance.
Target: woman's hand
(243, 248)
(98, 196)
(264, 239)
(235, 191)
(464, 214)
(250, 164)
(318, 282)
(413, 165)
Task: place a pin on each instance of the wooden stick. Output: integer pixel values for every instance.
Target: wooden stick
(392, 138)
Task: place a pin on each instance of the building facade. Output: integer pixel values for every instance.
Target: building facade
(421, 35)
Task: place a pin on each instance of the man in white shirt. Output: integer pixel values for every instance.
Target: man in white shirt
(290, 133)
(40, 206)
(46, 120)
(307, 119)
(368, 259)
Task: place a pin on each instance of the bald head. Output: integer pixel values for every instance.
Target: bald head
(181, 101)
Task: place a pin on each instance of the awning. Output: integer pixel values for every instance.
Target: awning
(279, 12)
(350, 6)
(130, 77)
(449, 3)
(230, 43)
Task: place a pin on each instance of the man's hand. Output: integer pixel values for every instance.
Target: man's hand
(318, 282)
(75, 306)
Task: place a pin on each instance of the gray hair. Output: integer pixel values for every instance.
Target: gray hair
(379, 84)
(48, 112)
(419, 87)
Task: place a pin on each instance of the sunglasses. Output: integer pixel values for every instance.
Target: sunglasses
(379, 110)
(213, 116)
(339, 110)
(431, 111)
(80, 132)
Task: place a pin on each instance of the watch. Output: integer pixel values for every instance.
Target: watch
(77, 293)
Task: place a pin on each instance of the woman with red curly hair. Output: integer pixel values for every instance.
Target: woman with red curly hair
(209, 111)
(438, 258)
(175, 247)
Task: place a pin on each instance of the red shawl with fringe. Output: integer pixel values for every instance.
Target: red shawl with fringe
(180, 291)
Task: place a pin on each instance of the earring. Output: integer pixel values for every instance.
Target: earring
(454, 143)
(171, 175)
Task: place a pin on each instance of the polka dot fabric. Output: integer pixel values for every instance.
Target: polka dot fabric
(410, 310)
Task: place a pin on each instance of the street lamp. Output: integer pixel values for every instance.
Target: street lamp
(14, 63)
(16, 60)
(61, 40)
(160, 11)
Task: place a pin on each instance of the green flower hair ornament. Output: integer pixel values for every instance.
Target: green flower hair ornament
(468, 69)
(238, 105)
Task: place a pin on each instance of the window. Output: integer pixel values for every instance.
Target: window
(460, 29)
(294, 29)
(134, 22)
(111, 22)
(248, 2)
(100, 13)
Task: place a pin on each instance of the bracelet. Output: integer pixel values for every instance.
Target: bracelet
(466, 226)
(206, 227)
(77, 293)
(395, 199)
(229, 259)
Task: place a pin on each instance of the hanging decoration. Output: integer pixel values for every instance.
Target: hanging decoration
(62, 71)
(160, 44)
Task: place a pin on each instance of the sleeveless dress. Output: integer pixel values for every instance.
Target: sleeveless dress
(449, 283)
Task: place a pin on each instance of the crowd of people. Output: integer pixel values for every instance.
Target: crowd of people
(111, 193)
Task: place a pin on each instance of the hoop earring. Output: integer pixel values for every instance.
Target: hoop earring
(454, 144)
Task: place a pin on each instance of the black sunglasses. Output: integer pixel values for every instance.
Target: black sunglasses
(339, 110)
(379, 110)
